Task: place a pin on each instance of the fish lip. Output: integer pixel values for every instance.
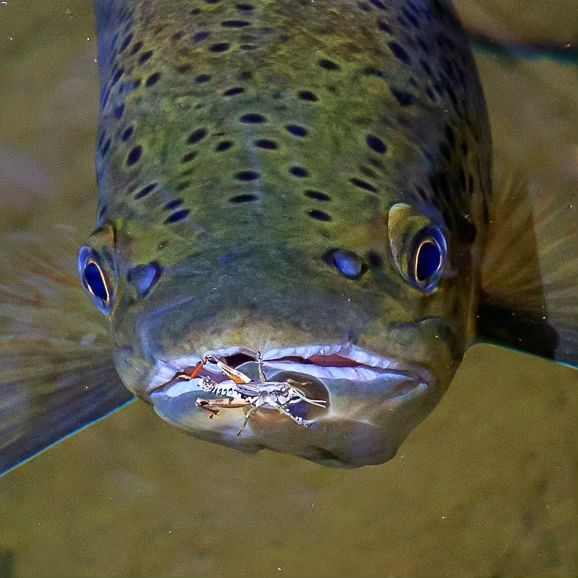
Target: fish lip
(164, 371)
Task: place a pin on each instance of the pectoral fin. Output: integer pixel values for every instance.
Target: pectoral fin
(530, 272)
(57, 374)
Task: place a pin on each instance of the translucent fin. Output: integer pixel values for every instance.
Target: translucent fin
(530, 271)
(57, 372)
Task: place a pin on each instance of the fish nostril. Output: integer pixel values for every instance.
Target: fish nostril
(145, 277)
(348, 263)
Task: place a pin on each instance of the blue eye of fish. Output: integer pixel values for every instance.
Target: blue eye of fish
(427, 259)
(95, 280)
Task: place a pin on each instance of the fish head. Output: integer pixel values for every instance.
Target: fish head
(312, 221)
(372, 320)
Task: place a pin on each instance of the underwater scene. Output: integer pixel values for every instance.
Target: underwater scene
(321, 232)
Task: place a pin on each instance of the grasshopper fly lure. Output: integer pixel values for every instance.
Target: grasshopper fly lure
(239, 391)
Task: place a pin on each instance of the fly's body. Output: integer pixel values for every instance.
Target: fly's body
(312, 180)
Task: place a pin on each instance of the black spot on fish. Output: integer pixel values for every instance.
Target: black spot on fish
(244, 198)
(153, 79)
(412, 19)
(379, 4)
(203, 78)
(319, 215)
(299, 172)
(376, 144)
(127, 133)
(266, 144)
(404, 98)
(127, 40)
(134, 155)
(173, 204)
(102, 211)
(318, 195)
(368, 172)
(223, 146)
(247, 176)
(220, 47)
(145, 56)
(178, 35)
(253, 118)
(234, 91)
(363, 185)
(235, 23)
(118, 111)
(178, 216)
(116, 76)
(197, 136)
(243, 7)
(184, 68)
(384, 26)
(296, 130)
(145, 191)
(399, 52)
(182, 186)
(105, 148)
(200, 36)
(191, 156)
(307, 95)
(328, 64)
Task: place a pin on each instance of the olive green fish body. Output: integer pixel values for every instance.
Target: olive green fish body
(253, 162)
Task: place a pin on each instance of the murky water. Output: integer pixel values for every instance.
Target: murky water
(486, 486)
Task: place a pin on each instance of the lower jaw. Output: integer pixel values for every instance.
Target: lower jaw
(364, 422)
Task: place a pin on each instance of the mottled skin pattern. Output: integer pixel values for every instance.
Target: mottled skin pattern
(353, 107)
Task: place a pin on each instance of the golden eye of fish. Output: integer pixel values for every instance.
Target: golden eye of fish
(427, 259)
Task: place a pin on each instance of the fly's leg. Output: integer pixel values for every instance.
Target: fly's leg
(192, 373)
(256, 404)
(262, 376)
(302, 397)
(214, 406)
(236, 376)
(284, 411)
(204, 404)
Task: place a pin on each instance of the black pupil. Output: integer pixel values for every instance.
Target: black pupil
(95, 281)
(429, 258)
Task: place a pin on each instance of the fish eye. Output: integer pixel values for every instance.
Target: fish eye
(427, 259)
(96, 280)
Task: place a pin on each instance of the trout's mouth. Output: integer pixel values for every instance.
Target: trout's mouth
(336, 404)
(320, 362)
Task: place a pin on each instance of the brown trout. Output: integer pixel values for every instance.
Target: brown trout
(297, 233)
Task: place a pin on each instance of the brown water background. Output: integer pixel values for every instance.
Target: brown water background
(485, 487)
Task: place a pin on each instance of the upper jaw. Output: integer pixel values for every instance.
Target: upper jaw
(335, 361)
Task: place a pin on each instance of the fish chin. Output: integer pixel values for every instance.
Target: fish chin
(369, 404)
